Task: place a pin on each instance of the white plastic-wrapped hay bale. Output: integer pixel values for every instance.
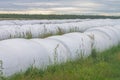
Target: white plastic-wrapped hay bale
(78, 44)
(57, 52)
(20, 54)
(117, 27)
(116, 31)
(107, 31)
(84, 42)
(100, 42)
(103, 37)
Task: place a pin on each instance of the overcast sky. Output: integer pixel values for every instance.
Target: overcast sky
(102, 7)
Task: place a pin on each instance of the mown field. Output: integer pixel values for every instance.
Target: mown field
(53, 16)
(98, 66)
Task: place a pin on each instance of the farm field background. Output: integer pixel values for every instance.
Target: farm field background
(53, 16)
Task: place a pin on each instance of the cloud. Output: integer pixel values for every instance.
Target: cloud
(27, 12)
(62, 6)
(37, 4)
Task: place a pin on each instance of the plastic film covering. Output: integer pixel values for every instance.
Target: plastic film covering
(78, 44)
(57, 52)
(20, 54)
(104, 37)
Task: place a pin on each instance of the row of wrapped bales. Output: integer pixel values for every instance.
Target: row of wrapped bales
(20, 54)
(32, 22)
(44, 30)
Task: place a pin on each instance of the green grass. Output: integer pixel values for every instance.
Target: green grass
(98, 66)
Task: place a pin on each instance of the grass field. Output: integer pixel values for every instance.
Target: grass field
(98, 66)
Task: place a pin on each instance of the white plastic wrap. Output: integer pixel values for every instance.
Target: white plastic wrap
(57, 52)
(78, 44)
(104, 37)
(100, 42)
(20, 54)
